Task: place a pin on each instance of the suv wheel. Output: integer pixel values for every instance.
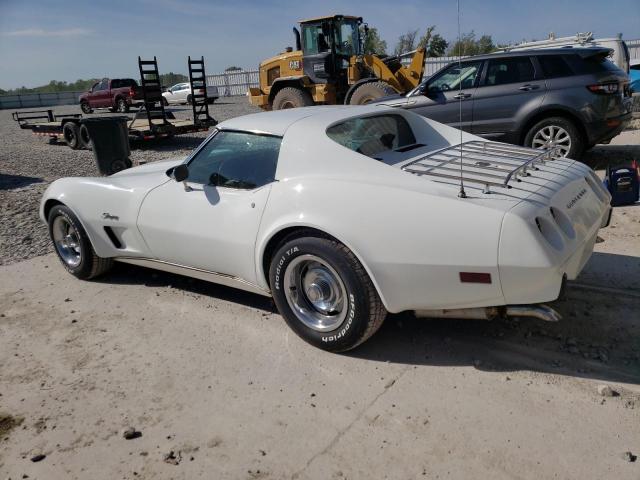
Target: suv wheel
(556, 132)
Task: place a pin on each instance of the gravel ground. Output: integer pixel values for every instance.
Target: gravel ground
(28, 163)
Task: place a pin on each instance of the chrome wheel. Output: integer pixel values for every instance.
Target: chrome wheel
(552, 136)
(122, 106)
(316, 293)
(67, 241)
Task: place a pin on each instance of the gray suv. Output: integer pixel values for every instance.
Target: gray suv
(572, 98)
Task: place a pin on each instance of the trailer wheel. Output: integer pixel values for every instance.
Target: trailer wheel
(85, 107)
(83, 138)
(71, 134)
(291, 97)
(368, 92)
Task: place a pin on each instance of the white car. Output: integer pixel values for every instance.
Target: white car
(181, 93)
(343, 214)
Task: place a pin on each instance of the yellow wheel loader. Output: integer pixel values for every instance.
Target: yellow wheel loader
(329, 67)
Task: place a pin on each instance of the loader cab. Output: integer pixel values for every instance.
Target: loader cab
(327, 45)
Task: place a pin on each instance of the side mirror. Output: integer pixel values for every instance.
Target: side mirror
(180, 173)
(214, 179)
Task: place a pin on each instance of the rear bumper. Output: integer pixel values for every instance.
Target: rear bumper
(602, 131)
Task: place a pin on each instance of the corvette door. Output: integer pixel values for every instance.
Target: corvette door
(210, 221)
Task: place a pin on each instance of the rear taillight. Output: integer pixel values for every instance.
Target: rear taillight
(604, 88)
(132, 92)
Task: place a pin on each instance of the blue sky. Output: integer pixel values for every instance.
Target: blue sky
(43, 40)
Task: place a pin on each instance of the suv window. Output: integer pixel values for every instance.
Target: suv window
(373, 135)
(501, 71)
(594, 64)
(449, 79)
(238, 160)
(554, 66)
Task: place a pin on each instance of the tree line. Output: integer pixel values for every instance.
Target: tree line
(55, 86)
(434, 43)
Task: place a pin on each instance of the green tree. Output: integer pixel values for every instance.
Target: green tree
(373, 44)
(406, 42)
(437, 46)
(468, 45)
(434, 43)
(232, 69)
(170, 79)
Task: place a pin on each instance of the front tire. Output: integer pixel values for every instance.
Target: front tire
(291, 97)
(556, 132)
(369, 92)
(324, 293)
(85, 107)
(73, 246)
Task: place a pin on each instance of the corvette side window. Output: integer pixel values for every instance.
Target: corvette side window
(236, 160)
(373, 135)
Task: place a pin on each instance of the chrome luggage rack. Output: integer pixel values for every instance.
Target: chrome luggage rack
(490, 164)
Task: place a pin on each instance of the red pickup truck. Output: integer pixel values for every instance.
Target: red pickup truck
(118, 94)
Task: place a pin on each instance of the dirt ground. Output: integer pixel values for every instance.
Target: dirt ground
(219, 387)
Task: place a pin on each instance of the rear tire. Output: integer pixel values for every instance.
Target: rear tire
(73, 246)
(189, 99)
(324, 293)
(83, 137)
(122, 106)
(369, 92)
(291, 97)
(71, 134)
(556, 131)
(85, 107)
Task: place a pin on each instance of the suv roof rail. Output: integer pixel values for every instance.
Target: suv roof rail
(580, 38)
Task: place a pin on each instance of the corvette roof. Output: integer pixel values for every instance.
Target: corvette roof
(277, 122)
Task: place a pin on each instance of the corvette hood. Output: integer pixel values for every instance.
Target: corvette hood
(144, 176)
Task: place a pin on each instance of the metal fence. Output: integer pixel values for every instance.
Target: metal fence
(32, 100)
(234, 83)
(634, 48)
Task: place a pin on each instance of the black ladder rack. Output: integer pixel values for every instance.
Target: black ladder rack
(152, 92)
(199, 101)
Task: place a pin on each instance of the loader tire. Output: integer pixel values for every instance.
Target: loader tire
(291, 97)
(369, 92)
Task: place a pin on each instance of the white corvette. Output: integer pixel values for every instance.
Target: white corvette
(343, 214)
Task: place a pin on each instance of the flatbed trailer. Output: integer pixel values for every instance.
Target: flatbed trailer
(150, 122)
(47, 123)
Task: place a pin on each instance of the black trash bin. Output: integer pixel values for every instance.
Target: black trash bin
(110, 143)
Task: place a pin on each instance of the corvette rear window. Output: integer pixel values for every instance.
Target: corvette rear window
(373, 135)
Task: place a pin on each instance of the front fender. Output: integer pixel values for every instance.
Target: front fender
(104, 202)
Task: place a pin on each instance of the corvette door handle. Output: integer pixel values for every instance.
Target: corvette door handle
(528, 87)
(461, 96)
